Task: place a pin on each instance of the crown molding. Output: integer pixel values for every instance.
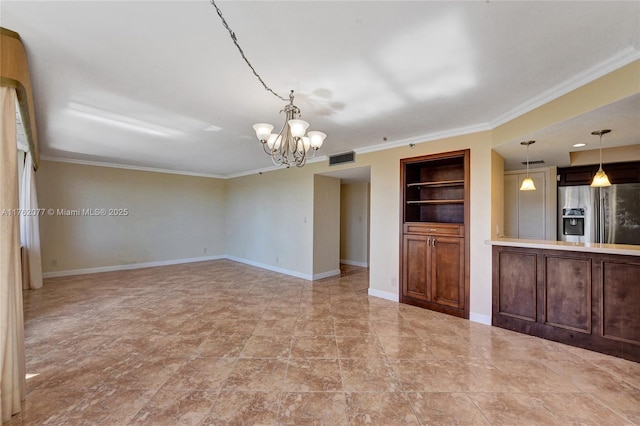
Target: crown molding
(131, 167)
(460, 131)
(618, 60)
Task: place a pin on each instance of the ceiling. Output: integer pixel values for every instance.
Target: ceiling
(161, 85)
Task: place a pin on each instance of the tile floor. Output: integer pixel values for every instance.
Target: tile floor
(221, 343)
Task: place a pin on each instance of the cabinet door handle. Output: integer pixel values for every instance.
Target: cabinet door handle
(434, 242)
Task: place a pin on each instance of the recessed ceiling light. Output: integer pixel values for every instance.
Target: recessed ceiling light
(578, 145)
(212, 128)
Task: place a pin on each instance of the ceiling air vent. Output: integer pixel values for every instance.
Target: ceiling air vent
(524, 163)
(347, 157)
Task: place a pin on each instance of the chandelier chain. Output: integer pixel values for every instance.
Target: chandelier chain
(235, 41)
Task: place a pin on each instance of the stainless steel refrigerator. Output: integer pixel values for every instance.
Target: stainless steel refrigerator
(599, 215)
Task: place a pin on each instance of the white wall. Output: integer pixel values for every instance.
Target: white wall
(354, 224)
(170, 217)
(269, 220)
(326, 226)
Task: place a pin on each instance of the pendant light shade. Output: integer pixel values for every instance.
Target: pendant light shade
(600, 180)
(527, 183)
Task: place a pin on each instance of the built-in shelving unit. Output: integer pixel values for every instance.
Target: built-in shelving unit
(434, 232)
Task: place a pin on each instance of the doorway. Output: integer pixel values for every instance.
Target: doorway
(352, 249)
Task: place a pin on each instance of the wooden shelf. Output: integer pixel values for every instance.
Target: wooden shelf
(436, 202)
(434, 254)
(437, 184)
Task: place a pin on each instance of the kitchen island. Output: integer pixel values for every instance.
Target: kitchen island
(580, 294)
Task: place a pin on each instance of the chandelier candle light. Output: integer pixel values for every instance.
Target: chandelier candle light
(600, 180)
(527, 182)
(290, 146)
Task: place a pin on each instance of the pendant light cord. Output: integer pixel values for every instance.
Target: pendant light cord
(600, 150)
(235, 41)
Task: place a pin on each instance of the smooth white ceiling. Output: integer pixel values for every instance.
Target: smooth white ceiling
(138, 83)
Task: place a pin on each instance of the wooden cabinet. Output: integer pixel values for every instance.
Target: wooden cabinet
(434, 269)
(589, 300)
(583, 175)
(434, 235)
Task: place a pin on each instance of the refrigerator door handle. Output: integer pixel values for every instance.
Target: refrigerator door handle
(600, 218)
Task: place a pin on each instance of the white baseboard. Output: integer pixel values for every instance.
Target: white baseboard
(296, 274)
(68, 273)
(112, 268)
(480, 318)
(326, 274)
(354, 263)
(384, 295)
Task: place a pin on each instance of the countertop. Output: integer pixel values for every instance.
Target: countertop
(623, 249)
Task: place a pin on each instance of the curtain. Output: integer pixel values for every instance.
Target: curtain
(12, 369)
(30, 228)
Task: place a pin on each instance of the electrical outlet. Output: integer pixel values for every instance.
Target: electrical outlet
(205, 250)
(54, 262)
(277, 259)
(394, 282)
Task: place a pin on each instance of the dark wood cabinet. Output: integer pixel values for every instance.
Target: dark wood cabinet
(589, 300)
(434, 232)
(628, 172)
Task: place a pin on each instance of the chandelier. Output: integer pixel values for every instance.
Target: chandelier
(290, 146)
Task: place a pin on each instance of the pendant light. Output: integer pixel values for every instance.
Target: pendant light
(600, 180)
(527, 183)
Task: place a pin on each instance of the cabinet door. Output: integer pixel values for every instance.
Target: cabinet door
(447, 271)
(524, 211)
(414, 266)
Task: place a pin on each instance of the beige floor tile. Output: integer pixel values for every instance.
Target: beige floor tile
(626, 404)
(588, 377)
(188, 407)
(267, 347)
(353, 327)
(257, 375)
(222, 346)
(244, 408)
(368, 375)
(514, 409)
(398, 347)
(359, 347)
(201, 374)
(579, 409)
(52, 406)
(446, 409)
(313, 375)
(110, 406)
(314, 347)
(393, 328)
(311, 327)
(534, 376)
(223, 343)
(426, 376)
(142, 372)
(380, 408)
(276, 327)
(312, 408)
